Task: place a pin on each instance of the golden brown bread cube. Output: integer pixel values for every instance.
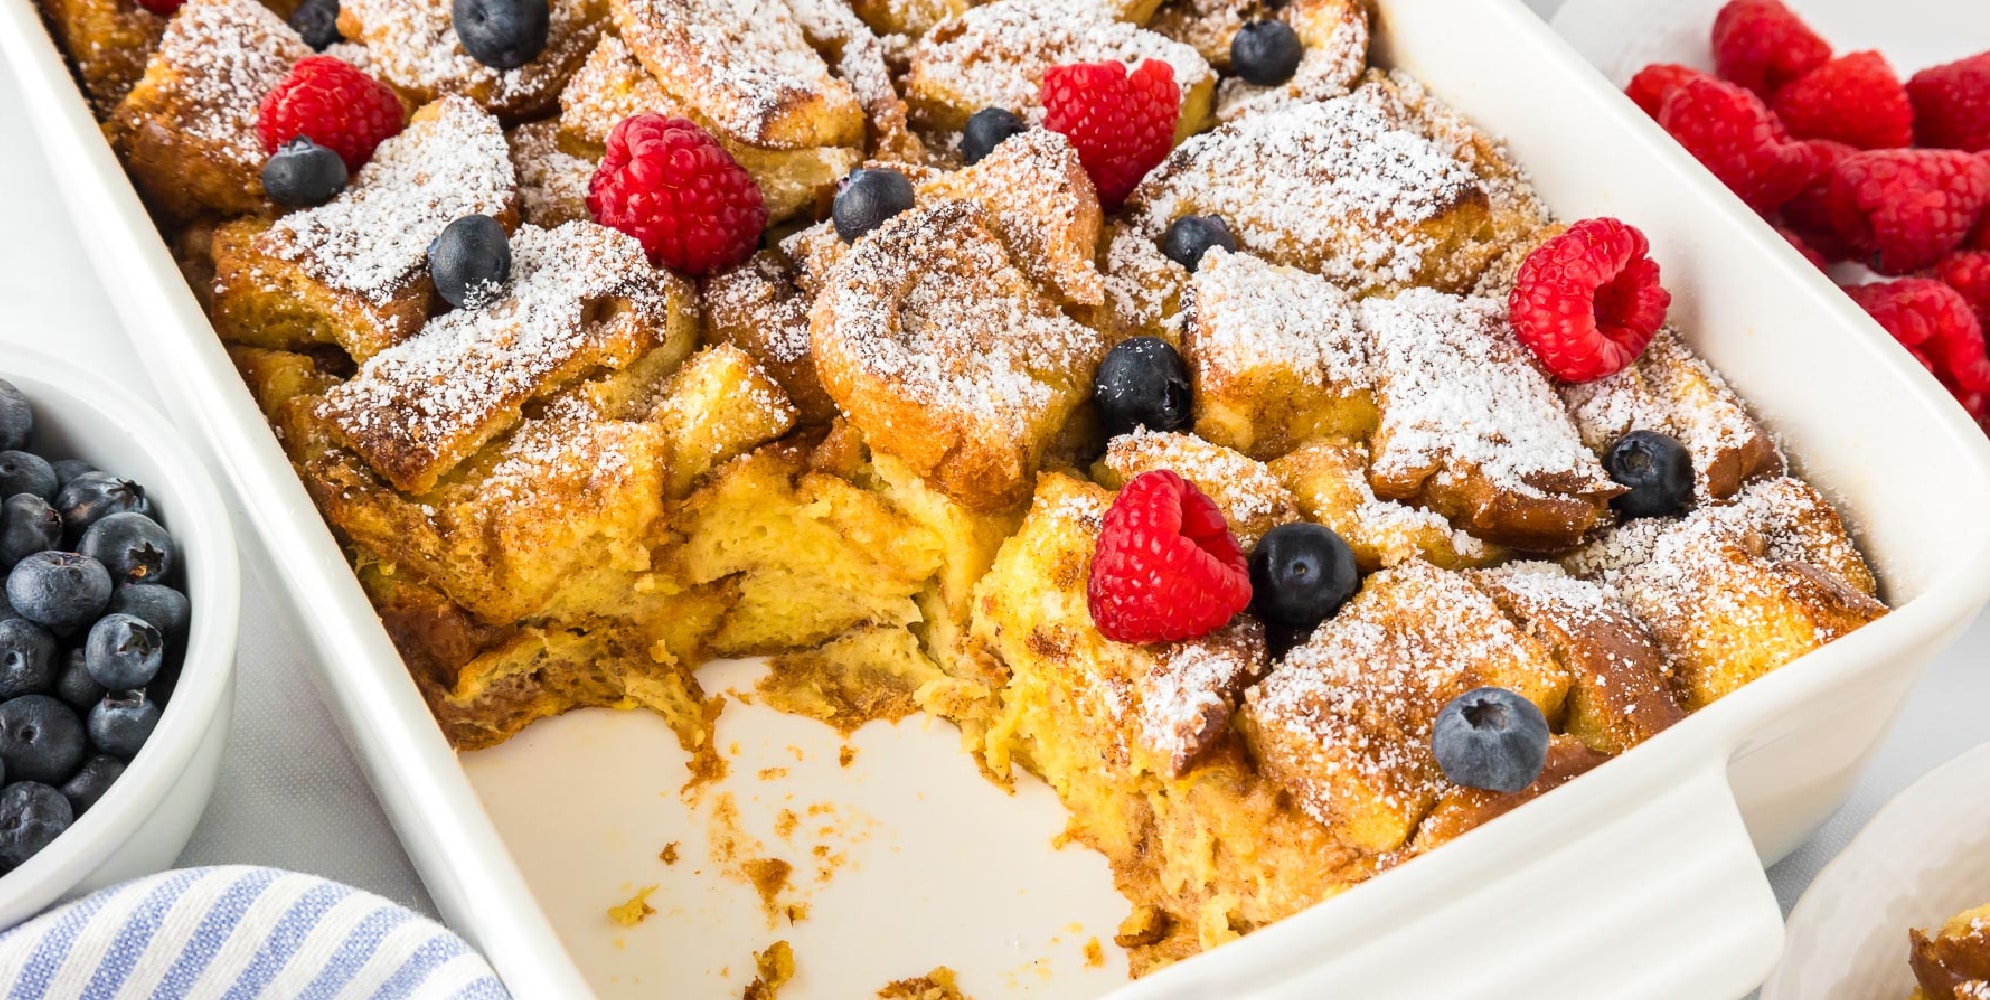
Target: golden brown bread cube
(582, 297)
(1955, 960)
(412, 46)
(1344, 721)
(354, 271)
(943, 352)
(1276, 357)
(107, 41)
(1329, 479)
(187, 130)
(757, 308)
(552, 183)
(1252, 500)
(1461, 810)
(1335, 36)
(910, 18)
(1039, 200)
(714, 408)
(1471, 428)
(1146, 292)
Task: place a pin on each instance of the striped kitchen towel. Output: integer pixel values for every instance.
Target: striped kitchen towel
(237, 933)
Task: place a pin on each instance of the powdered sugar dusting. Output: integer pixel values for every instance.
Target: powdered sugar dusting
(552, 183)
(752, 294)
(1252, 315)
(1143, 287)
(743, 63)
(1250, 497)
(1186, 699)
(224, 56)
(413, 45)
(1335, 56)
(1673, 392)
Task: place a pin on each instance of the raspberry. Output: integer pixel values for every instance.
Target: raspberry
(1762, 45)
(1122, 124)
(1952, 104)
(1588, 301)
(1167, 567)
(332, 103)
(1732, 134)
(163, 8)
(677, 191)
(1656, 82)
(1854, 99)
(1935, 324)
(1806, 214)
(1969, 273)
(1809, 253)
(1906, 208)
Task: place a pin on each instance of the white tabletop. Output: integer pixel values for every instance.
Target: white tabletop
(290, 793)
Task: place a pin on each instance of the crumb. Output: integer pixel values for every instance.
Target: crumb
(1095, 956)
(772, 970)
(797, 912)
(632, 911)
(784, 824)
(846, 755)
(773, 773)
(669, 853)
(935, 985)
(770, 878)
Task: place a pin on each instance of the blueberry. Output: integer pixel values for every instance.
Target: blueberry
(27, 525)
(28, 658)
(1191, 236)
(74, 685)
(1301, 574)
(92, 781)
(167, 609)
(1265, 52)
(502, 34)
(866, 199)
(132, 547)
(121, 723)
(93, 495)
(17, 418)
(1142, 383)
(303, 174)
(1658, 470)
(123, 652)
(470, 262)
(41, 739)
(61, 591)
(32, 815)
(1491, 738)
(317, 22)
(70, 468)
(7, 612)
(985, 130)
(26, 472)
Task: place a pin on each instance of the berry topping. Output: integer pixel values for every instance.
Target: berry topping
(1301, 574)
(1809, 253)
(26, 472)
(1491, 738)
(1657, 469)
(1967, 272)
(32, 814)
(1655, 83)
(1807, 214)
(1191, 236)
(17, 419)
(167, 609)
(92, 781)
(60, 590)
(121, 723)
(667, 183)
(132, 547)
(163, 8)
(29, 662)
(1733, 134)
(27, 525)
(92, 496)
(985, 130)
(866, 199)
(1142, 382)
(1588, 301)
(123, 652)
(1906, 208)
(1952, 104)
(1167, 567)
(328, 101)
(502, 34)
(41, 739)
(1762, 45)
(317, 22)
(1121, 123)
(470, 262)
(74, 685)
(1935, 324)
(69, 468)
(303, 174)
(1265, 52)
(1854, 99)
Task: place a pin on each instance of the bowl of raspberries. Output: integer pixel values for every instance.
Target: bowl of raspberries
(118, 602)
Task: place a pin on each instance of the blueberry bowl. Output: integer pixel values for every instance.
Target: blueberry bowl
(145, 816)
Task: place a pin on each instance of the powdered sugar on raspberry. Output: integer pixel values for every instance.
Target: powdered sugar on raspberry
(372, 240)
(1252, 315)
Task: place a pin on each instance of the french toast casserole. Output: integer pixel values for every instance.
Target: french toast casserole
(882, 445)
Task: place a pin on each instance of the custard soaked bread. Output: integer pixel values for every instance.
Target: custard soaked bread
(1263, 518)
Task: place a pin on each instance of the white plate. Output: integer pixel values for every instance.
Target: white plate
(1924, 858)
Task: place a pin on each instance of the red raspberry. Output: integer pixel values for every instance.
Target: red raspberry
(163, 8)
(1656, 82)
(1762, 45)
(332, 103)
(1854, 99)
(1732, 134)
(1167, 567)
(1969, 273)
(1906, 208)
(1806, 214)
(1934, 322)
(1809, 253)
(675, 189)
(1952, 104)
(1122, 124)
(1588, 301)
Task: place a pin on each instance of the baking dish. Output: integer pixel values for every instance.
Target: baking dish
(1642, 880)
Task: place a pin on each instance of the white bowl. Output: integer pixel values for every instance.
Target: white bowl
(140, 825)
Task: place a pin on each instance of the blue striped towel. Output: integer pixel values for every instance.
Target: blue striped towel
(238, 933)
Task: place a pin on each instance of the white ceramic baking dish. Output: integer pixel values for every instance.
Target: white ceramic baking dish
(1642, 880)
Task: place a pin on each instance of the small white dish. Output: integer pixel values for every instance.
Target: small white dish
(140, 825)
